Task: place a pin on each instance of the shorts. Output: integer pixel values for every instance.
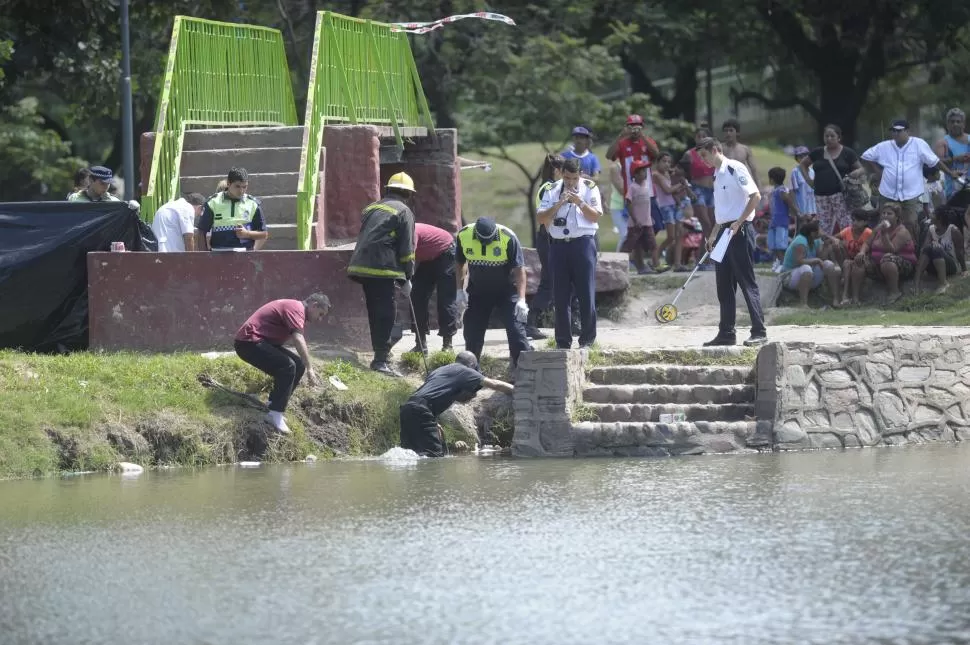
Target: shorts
(684, 205)
(778, 238)
(658, 220)
(671, 214)
(639, 237)
(818, 274)
(704, 195)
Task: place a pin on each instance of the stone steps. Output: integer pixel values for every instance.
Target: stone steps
(645, 412)
(232, 138)
(671, 374)
(663, 439)
(659, 394)
(261, 184)
(196, 163)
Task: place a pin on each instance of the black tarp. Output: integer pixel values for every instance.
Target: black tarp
(43, 268)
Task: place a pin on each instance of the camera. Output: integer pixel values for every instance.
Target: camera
(559, 221)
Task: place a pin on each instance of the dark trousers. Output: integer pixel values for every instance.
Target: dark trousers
(437, 275)
(480, 306)
(284, 365)
(542, 299)
(737, 269)
(419, 429)
(381, 314)
(573, 265)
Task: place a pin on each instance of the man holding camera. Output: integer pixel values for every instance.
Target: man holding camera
(570, 210)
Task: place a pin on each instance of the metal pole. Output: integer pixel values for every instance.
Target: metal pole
(127, 136)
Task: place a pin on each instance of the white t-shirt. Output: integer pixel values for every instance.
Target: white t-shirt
(172, 221)
(732, 188)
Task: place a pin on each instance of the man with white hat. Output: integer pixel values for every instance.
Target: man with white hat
(97, 189)
(382, 259)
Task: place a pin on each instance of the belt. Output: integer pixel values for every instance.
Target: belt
(564, 240)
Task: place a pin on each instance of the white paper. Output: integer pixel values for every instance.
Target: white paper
(722, 245)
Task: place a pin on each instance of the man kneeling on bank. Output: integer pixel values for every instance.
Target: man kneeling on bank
(260, 342)
(459, 381)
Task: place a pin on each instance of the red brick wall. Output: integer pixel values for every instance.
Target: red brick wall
(353, 174)
(171, 301)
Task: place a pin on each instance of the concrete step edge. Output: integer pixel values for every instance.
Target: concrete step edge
(729, 426)
(654, 386)
(241, 150)
(267, 128)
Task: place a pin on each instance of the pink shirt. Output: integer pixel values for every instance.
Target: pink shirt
(664, 198)
(639, 196)
(274, 322)
(430, 242)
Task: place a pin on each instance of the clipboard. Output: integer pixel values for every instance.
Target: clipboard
(720, 249)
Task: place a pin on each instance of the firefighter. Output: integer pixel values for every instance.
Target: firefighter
(492, 257)
(383, 259)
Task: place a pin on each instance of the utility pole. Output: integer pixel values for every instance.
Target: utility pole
(127, 136)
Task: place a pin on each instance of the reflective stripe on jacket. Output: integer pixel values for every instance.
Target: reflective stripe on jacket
(385, 245)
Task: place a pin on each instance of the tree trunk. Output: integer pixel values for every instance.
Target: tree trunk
(683, 104)
(838, 104)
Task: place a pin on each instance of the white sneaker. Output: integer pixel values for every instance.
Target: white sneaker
(276, 420)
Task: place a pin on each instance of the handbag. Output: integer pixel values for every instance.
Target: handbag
(856, 192)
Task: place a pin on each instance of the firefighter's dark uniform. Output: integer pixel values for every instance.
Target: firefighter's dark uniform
(384, 255)
(490, 286)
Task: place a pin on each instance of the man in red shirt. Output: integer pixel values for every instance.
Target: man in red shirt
(434, 255)
(260, 341)
(632, 145)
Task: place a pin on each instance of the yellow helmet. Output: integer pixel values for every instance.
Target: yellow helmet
(401, 181)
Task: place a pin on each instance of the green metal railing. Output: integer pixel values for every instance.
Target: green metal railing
(360, 72)
(218, 74)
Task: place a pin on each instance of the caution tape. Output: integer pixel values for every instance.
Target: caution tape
(425, 27)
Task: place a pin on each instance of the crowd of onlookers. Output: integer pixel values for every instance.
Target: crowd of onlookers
(836, 217)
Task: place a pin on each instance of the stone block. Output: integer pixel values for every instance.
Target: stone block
(913, 374)
(878, 373)
(824, 357)
(891, 409)
(353, 177)
(796, 376)
(852, 441)
(885, 356)
(555, 437)
(825, 440)
(835, 376)
(552, 382)
(812, 394)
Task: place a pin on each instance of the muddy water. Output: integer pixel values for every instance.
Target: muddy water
(834, 547)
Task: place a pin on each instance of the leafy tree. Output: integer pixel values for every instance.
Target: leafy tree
(538, 92)
(828, 56)
(33, 159)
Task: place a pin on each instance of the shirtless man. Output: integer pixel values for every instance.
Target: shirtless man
(733, 149)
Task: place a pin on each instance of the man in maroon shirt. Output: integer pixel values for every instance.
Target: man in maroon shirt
(434, 255)
(260, 341)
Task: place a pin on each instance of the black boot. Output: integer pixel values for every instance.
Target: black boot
(532, 326)
(446, 343)
(380, 364)
(421, 345)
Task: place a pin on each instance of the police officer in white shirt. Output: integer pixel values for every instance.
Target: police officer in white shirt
(735, 198)
(900, 159)
(174, 223)
(570, 210)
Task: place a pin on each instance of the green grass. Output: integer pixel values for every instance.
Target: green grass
(949, 309)
(500, 192)
(87, 411)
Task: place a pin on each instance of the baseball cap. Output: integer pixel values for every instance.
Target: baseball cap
(101, 173)
(580, 130)
(800, 150)
(638, 164)
(900, 124)
(634, 119)
(486, 229)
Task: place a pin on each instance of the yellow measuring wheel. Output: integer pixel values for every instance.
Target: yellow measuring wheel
(667, 313)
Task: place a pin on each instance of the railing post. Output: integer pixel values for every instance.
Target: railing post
(383, 84)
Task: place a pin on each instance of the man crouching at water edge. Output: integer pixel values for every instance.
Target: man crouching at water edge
(260, 341)
(459, 381)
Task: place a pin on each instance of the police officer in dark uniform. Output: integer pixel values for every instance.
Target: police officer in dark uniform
(384, 257)
(234, 218)
(492, 256)
(459, 381)
(571, 210)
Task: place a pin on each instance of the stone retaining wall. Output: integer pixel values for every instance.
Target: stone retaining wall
(889, 391)
(547, 386)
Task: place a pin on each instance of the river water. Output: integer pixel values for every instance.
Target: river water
(826, 547)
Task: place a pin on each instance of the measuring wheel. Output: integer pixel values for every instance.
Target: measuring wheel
(666, 313)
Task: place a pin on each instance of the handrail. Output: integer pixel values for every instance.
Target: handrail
(218, 74)
(361, 72)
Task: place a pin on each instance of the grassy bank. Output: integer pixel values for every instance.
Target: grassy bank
(927, 308)
(88, 411)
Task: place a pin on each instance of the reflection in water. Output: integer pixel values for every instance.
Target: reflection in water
(832, 547)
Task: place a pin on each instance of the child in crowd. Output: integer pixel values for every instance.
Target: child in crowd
(801, 189)
(670, 196)
(851, 239)
(640, 238)
(693, 240)
(783, 207)
(932, 197)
